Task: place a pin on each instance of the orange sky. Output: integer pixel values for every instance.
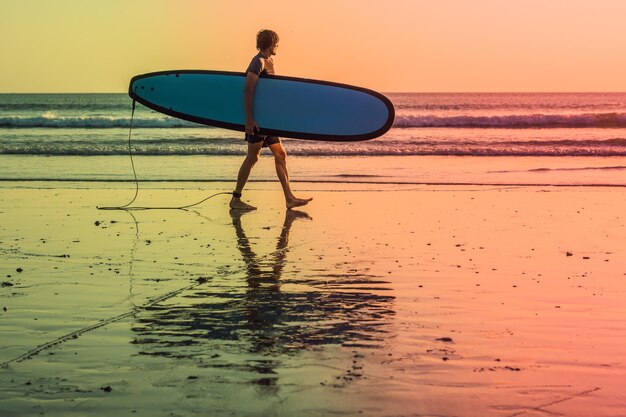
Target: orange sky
(401, 45)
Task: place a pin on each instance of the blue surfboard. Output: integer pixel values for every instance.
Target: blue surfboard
(283, 106)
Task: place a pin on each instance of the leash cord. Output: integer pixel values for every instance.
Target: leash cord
(128, 206)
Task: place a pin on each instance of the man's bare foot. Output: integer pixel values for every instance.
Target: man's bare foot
(297, 202)
(237, 204)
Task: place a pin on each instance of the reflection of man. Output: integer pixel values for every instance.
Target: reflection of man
(264, 318)
(255, 273)
(262, 63)
(264, 302)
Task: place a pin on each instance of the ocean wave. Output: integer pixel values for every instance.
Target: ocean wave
(600, 143)
(50, 120)
(612, 120)
(553, 148)
(61, 106)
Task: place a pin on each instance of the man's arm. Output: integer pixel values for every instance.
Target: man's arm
(248, 99)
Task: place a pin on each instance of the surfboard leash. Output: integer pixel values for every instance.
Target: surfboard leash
(128, 206)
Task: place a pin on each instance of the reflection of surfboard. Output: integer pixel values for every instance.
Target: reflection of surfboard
(283, 106)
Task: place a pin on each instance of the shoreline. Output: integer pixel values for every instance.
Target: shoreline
(308, 171)
(304, 181)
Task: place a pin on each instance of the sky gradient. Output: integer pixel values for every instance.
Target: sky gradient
(401, 45)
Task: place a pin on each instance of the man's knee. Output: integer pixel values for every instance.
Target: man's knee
(280, 155)
(252, 159)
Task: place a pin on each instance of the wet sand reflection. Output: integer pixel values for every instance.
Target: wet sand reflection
(250, 325)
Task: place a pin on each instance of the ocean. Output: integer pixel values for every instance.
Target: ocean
(442, 138)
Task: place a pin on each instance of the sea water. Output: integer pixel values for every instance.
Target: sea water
(442, 138)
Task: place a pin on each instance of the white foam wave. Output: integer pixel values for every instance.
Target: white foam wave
(613, 147)
(514, 121)
(51, 120)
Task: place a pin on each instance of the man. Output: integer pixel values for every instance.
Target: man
(261, 64)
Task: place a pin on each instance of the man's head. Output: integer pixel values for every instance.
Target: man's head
(267, 40)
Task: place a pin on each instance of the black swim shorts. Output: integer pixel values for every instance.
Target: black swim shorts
(267, 140)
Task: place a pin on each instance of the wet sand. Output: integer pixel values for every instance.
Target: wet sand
(374, 300)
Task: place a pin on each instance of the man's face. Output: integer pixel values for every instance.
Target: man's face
(273, 49)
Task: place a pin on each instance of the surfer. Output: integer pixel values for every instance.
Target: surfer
(261, 64)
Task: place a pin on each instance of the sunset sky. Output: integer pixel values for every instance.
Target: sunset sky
(395, 45)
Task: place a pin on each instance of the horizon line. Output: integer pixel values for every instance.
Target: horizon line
(385, 92)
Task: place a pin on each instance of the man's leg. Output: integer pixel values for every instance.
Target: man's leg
(254, 149)
(280, 159)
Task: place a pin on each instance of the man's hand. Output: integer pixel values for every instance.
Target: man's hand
(251, 126)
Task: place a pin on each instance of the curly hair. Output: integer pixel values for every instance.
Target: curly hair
(266, 38)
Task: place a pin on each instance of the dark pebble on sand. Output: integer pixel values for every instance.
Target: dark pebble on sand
(445, 339)
(19, 270)
(5, 309)
(586, 257)
(106, 388)
(569, 254)
(6, 284)
(192, 377)
(97, 223)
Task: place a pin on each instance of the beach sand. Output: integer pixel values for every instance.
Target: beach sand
(374, 300)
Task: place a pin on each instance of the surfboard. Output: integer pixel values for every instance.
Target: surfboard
(289, 107)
